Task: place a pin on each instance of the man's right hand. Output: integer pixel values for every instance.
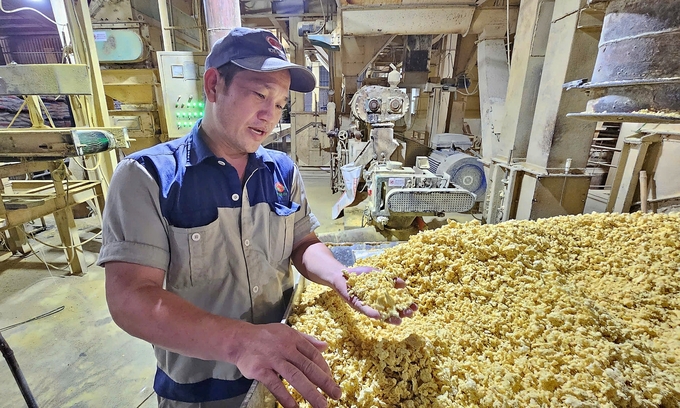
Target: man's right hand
(272, 350)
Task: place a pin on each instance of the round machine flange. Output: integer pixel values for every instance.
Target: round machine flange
(466, 172)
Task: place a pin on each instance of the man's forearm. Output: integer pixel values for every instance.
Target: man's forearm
(316, 262)
(149, 312)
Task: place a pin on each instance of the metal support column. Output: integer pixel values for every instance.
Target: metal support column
(448, 55)
(166, 31)
(95, 109)
(528, 55)
(221, 16)
(297, 100)
(493, 85)
(559, 146)
(630, 164)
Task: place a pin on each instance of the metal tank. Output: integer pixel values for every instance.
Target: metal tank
(637, 71)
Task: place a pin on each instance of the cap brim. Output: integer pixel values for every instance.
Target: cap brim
(301, 79)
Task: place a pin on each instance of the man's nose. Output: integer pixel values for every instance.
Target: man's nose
(268, 112)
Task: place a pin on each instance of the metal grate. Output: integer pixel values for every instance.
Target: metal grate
(429, 201)
(32, 50)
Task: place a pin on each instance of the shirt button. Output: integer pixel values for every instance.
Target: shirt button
(222, 163)
(234, 197)
(195, 236)
(256, 289)
(246, 242)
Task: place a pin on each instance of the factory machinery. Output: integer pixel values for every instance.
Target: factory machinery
(447, 181)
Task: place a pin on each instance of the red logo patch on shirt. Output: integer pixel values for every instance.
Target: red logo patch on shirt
(279, 187)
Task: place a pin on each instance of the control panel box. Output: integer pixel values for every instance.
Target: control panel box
(181, 77)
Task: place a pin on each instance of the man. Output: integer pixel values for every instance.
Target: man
(199, 233)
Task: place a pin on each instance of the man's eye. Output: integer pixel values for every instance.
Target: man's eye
(259, 95)
(279, 107)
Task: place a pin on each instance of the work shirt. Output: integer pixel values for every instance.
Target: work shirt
(224, 245)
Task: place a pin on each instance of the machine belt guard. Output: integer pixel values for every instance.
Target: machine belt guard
(429, 200)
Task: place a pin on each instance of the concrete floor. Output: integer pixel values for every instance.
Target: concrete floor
(77, 357)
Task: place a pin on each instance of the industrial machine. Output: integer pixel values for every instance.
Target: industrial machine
(156, 95)
(396, 193)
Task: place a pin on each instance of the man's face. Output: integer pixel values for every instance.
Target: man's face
(249, 109)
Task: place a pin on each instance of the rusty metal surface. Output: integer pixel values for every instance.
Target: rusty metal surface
(45, 79)
(637, 72)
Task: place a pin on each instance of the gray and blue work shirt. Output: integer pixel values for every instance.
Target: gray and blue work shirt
(225, 245)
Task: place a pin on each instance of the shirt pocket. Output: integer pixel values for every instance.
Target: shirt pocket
(282, 231)
(192, 252)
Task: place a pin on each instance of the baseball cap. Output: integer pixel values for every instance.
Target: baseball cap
(260, 51)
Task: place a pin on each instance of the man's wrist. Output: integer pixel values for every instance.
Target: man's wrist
(227, 338)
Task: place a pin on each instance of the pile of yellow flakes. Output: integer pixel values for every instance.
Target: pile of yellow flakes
(377, 290)
(573, 311)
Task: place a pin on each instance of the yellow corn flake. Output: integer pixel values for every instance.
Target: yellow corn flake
(572, 311)
(376, 289)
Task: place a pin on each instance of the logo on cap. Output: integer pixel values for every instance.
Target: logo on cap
(277, 48)
(274, 43)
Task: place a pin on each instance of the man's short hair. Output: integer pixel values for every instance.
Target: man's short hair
(228, 71)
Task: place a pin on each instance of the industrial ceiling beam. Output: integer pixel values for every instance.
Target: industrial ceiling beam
(413, 19)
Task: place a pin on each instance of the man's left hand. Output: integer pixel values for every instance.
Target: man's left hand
(341, 287)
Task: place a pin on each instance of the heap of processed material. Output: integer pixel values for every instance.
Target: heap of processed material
(572, 311)
(377, 290)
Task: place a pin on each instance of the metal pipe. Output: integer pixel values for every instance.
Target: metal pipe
(221, 16)
(16, 372)
(509, 194)
(643, 191)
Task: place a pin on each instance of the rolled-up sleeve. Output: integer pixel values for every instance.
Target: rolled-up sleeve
(133, 228)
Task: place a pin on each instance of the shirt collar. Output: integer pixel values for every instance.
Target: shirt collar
(199, 150)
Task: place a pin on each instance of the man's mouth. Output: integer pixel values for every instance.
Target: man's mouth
(259, 131)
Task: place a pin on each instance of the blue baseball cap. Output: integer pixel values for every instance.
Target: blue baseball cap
(260, 51)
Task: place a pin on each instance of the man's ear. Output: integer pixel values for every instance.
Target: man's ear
(211, 78)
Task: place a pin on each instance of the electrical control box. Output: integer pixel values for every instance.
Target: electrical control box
(181, 77)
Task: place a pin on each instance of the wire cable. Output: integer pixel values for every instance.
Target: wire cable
(67, 248)
(47, 264)
(42, 316)
(96, 166)
(16, 10)
(467, 91)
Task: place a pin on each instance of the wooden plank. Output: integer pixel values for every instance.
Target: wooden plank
(15, 169)
(16, 241)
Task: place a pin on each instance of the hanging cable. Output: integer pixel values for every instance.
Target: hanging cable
(66, 248)
(96, 166)
(26, 9)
